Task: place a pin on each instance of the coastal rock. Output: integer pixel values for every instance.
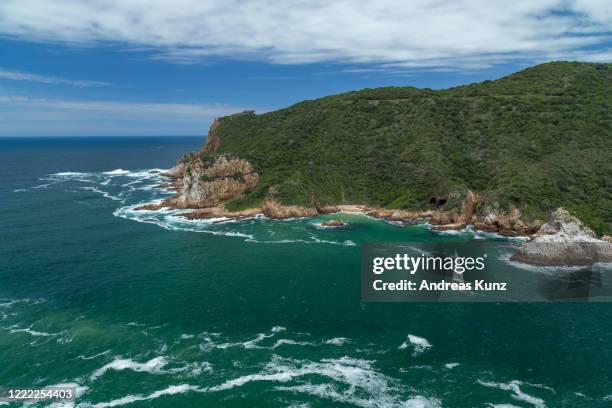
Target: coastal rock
(564, 240)
(212, 183)
(575, 253)
(334, 223)
(149, 207)
(219, 212)
(397, 215)
(176, 171)
(273, 209)
(451, 220)
(564, 227)
(440, 218)
(507, 223)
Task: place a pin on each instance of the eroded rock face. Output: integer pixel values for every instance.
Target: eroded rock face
(212, 183)
(273, 209)
(564, 227)
(458, 220)
(507, 223)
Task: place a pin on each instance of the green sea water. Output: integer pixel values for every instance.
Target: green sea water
(146, 309)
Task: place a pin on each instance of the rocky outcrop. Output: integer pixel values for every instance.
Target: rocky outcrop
(508, 223)
(564, 227)
(474, 212)
(220, 212)
(564, 240)
(334, 223)
(397, 215)
(444, 220)
(272, 209)
(209, 184)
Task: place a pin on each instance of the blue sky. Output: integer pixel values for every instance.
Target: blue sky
(129, 67)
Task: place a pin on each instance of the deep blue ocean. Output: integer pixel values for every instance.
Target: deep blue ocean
(147, 309)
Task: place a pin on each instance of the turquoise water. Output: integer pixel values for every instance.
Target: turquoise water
(145, 309)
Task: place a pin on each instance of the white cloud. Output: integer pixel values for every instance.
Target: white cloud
(416, 33)
(25, 76)
(39, 116)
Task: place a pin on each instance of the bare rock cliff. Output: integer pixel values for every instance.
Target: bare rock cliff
(212, 183)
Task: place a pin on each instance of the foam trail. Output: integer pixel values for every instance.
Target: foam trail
(117, 172)
(171, 390)
(338, 341)
(153, 366)
(517, 393)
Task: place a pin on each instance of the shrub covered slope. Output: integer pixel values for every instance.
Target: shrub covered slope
(537, 140)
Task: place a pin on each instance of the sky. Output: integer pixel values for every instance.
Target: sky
(158, 67)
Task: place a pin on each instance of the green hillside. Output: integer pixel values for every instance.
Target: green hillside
(537, 139)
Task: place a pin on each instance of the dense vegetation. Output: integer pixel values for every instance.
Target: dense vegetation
(537, 139)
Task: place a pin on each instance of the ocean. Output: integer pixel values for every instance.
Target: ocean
(147, 309)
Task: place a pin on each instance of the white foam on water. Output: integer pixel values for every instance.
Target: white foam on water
(450, 366)
(167, 218)
(490, 405)
(128, 399)
(418, 344)
(117, 172)
(517, 393)
(261, 336)
(353, 381)
(353, 371)
(31, 332)
(69, 174)
(10, 303)
(156, 366)
(192, 369)
(83, 357)
(338, 341)
(104, 193)
(282, 342)
(153, 366)
(79, 391)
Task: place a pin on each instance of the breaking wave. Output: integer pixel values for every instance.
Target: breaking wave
(418, 344)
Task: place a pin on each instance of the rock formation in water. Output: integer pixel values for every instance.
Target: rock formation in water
(564, 240)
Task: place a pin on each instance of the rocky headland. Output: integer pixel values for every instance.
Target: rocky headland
(492, 156)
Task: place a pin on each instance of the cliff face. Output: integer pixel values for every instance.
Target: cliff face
(213, 141)
(209, 184)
